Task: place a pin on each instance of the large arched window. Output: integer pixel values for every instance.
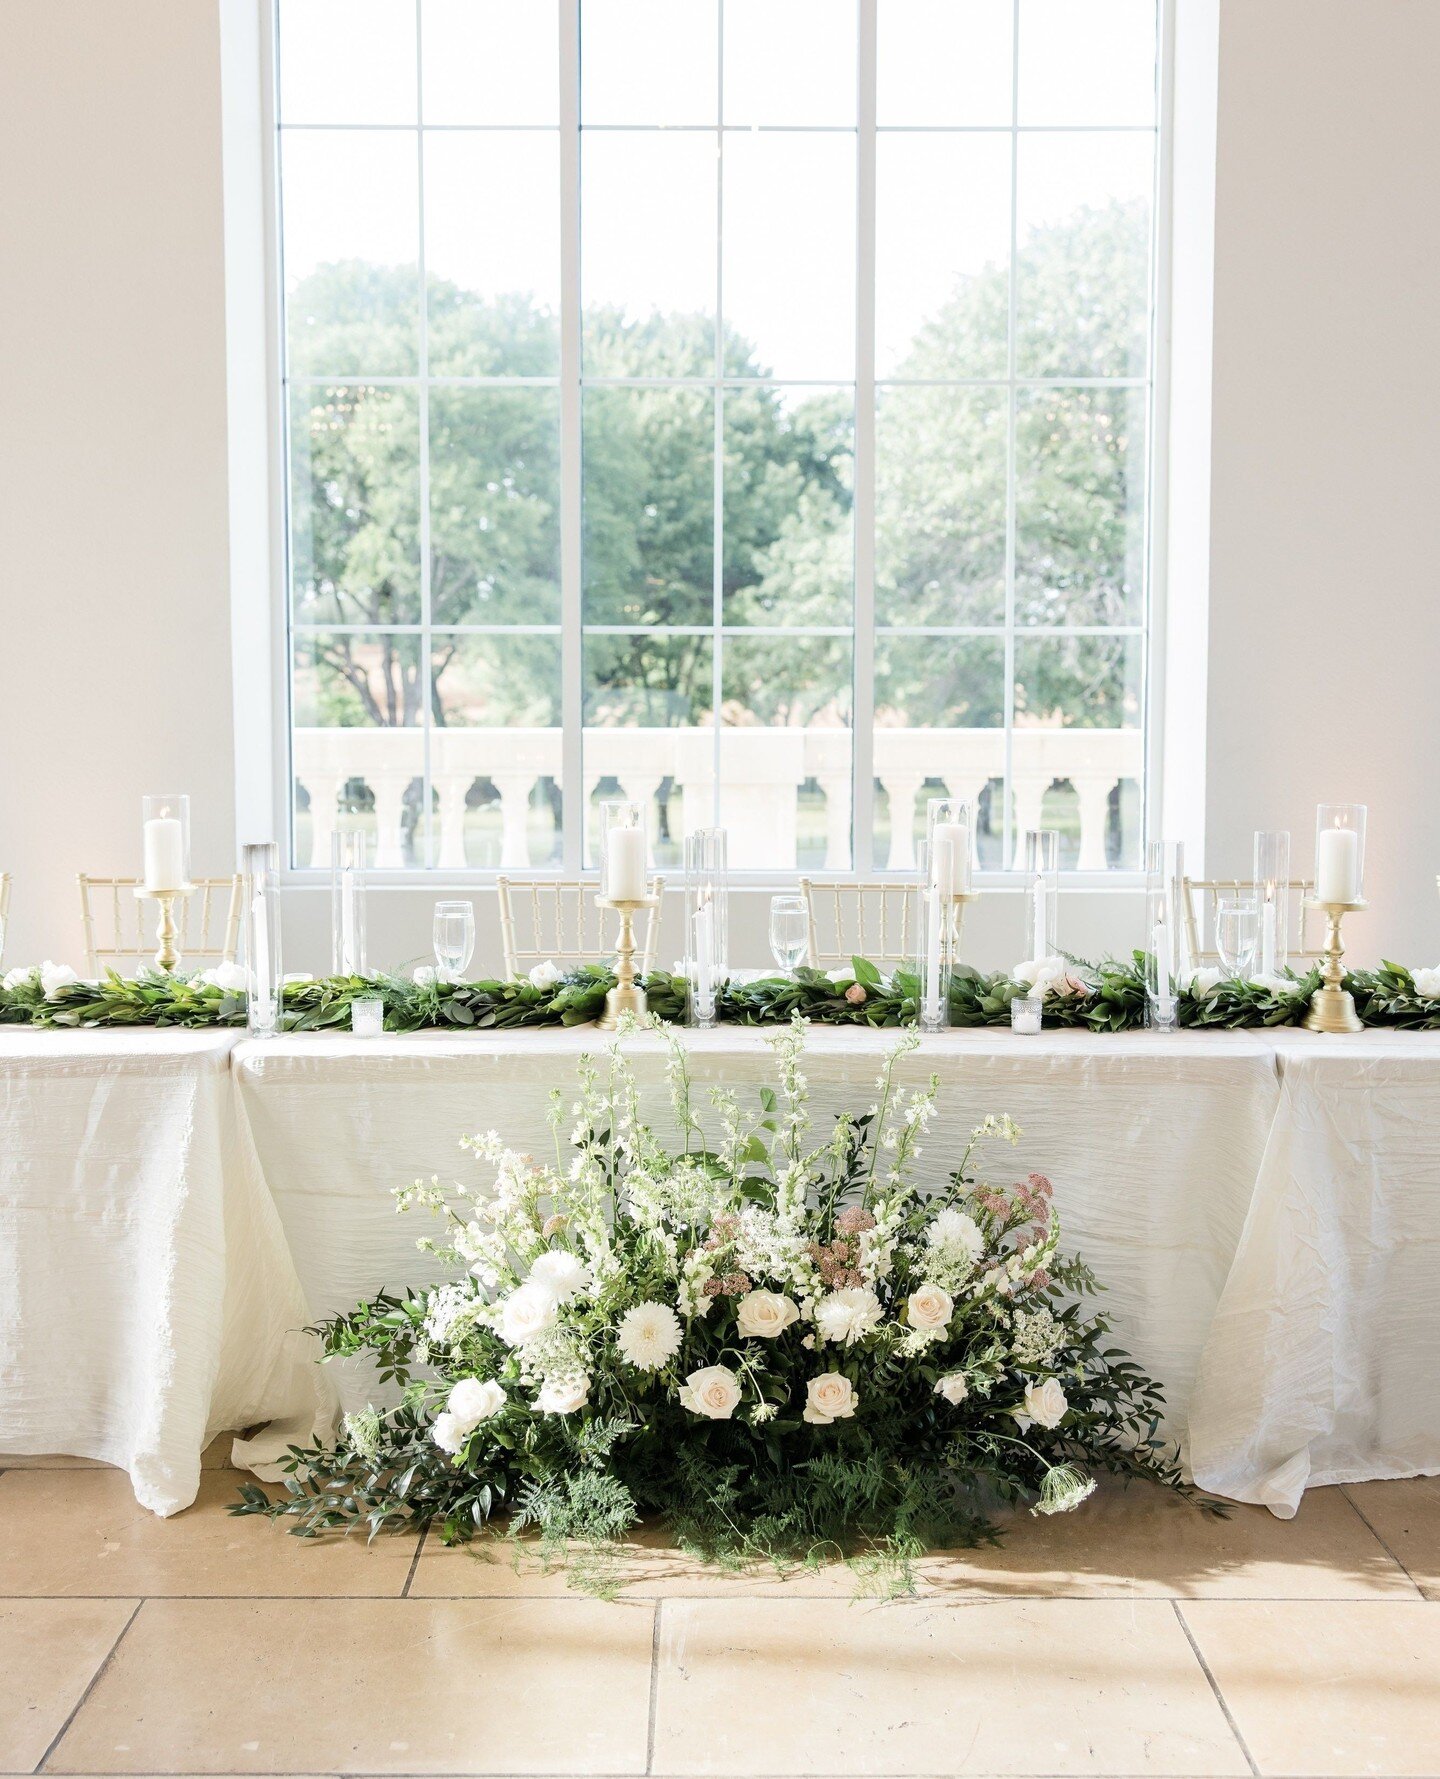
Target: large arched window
(746, 403)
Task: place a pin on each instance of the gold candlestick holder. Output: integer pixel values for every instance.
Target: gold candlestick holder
(960, 900)
(627, 996)
(1332, 1007)
(168, 933)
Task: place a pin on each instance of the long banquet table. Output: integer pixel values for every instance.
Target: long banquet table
(1263, 1208)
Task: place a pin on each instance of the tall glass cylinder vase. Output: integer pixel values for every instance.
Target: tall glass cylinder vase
(347, 902)
(263, 972)
(950, 831)
(1164, 955)
(1042, 892)
(707, 922)
(1340, 854)
(1272, 894)
(932, 929)
(624, 853)
(165, 836)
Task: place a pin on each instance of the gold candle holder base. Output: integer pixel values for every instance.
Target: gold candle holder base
(627, 996)
(1332, 1007)
(168, 933)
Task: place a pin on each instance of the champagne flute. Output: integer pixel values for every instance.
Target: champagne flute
(454, 937)
(789, 932)
(1236, 926)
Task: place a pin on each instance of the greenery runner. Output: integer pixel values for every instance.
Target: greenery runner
(1104, 997)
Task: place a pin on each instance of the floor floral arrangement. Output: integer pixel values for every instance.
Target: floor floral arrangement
(783, 1344)
(1104, 997)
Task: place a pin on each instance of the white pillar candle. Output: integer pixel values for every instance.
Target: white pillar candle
(705, 960)
(164, 853)
(932, 957)
(951, 840)
(1267, 932)
(261, 970)
(942, 863)
(1164, 955)
(349, 961)
(1039, 913)
(625, 875)
(1337, 866)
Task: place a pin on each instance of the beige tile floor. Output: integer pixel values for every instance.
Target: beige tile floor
(1137, 1637)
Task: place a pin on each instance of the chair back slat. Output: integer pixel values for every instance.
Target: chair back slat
(113, 921)
(557, 922)
(846, 920)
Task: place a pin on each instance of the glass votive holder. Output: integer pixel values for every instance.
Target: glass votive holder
(1025, 1015)
(367, 1016)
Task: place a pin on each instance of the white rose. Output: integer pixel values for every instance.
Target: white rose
(1038, 972)
(563, 1398)
(953, 1387)
(763, 1315)
(848, 1315)
(54, 977)
(230, 979)
(448, 1432)
(471, 1402)
(529, 1310)
(713, 1391)
(1427, 984)
(829, 1397)
(544, 975)
(1045, 1404)
(562, 1272)
(21, 978)
(930, 1307)
(1204, 983)
(839, 976)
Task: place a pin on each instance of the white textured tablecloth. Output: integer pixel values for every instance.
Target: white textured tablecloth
(1153, 1144)
(147, 1296)
(1323, 1364)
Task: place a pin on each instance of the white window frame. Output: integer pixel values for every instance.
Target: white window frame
(271, 743)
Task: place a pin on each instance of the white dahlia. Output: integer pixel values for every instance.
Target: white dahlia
(648, 1336)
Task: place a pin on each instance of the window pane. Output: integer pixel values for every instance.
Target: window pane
(495, 682)
(354, 505)
(347, 62)
(649, 62)
(492, 243)
(1085, 682)
(789, 525)
(786, 759)
(649, 733)
(789, 274)
(1087, 61)
(944, 61)
(940, 457)
(1083, 271)
(490, 62)
(647, 267)
(495, 506)
(1080, 468)
(358, 754)
(942, 255)
(790, 62)
(939, 731)
(649, 506)
(351, 243)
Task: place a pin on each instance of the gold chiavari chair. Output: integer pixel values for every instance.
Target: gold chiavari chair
(119, 925)
(869, 920)
(559, 923)
(1198, 895)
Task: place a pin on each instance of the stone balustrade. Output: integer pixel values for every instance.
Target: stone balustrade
(762, 773)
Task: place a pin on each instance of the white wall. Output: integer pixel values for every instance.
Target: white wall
(1323, 626)
(114, 616)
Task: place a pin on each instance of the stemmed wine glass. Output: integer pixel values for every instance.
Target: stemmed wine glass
(789, 932)
(454, 937)
(1237, 922)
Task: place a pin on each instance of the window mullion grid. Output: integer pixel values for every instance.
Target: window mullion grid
(717, 566)
(1008, 840)
(426, 824)
(573, 802)
(862, 647)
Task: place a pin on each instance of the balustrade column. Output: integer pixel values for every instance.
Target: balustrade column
(324, 809)
(836, 786)
(388, 789)
(451, 790)
(1094, 797)
(514, 789)
(902, 788)
(1029, 811)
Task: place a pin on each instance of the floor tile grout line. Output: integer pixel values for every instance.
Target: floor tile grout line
(1359, 1513)
(654, 1687)
(414, 1563)
(1220, 1698)
(90, 1686)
